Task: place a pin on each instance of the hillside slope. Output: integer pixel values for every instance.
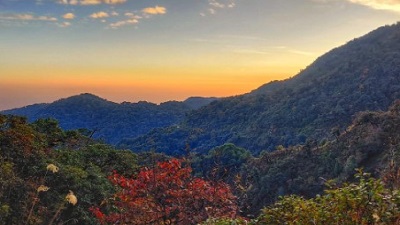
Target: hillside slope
(364, 74)
(371, 142)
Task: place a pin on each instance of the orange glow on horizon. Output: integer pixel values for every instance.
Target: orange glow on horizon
(153, 88)
(181, 82)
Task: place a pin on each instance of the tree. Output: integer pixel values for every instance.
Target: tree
(167, 194)
(366, 202)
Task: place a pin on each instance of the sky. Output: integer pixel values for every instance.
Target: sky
(160, 50)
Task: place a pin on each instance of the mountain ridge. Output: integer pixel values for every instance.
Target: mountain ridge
(108, 120)
(358, 76)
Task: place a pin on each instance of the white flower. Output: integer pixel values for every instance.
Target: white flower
(42, 188)
(71, 198)
(53, 168)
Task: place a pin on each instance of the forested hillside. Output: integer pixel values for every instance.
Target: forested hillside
(51, 176)
(372, 142)
(110, 121)
(364, 74)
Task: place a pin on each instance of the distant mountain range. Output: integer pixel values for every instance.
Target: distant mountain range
(111, 121)
(315, 105)
(321, 100)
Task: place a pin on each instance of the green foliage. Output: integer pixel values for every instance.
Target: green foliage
(372, 141)
(364, 202)
(221, 163)
(31, 194)
(225, 221)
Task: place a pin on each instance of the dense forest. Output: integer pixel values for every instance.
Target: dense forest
(52, 176)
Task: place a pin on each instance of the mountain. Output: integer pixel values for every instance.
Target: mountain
(363, 74)
(198, 102)
(108, 120)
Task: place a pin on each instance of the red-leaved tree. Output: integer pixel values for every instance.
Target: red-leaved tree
(167, 194)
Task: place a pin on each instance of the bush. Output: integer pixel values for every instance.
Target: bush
(365, 202)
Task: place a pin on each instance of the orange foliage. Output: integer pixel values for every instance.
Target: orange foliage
(168, 194)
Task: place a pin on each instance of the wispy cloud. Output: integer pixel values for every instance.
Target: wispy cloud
(124, 23)
(212, 11)
(270, 50)
(131, 19)
(215, 5)
(113, 17)
(222, 3)
(291, 50)
(27, 17)
(69, 16)
(392, 5)
(64, 24)
(155, 10)
(91, 2)
(98, 15)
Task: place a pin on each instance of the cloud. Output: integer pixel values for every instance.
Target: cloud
(91, 2)
(391, 5)
(99, 15)
(64, 24)
(27, 17)
(112, 2)
(212, 11)
(124, 23)
(231, 5)
(216, 5)
(129, 14)
(222, 3)
(69, 16)
(132, 19)
(294, 51)
(155, 10)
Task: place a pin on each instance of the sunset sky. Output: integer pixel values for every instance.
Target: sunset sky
(159, 50)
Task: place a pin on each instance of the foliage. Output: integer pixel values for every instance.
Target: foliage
(167, 194)
(365, 202)
(40, 163)
(225, 221)
(221, 163)
(372, 141)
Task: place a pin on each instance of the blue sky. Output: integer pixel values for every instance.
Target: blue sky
(159, 50)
